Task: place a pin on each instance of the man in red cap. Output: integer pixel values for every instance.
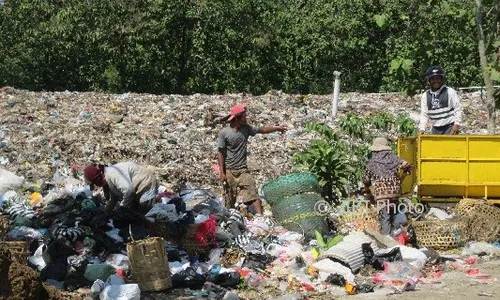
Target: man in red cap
(232, 157)
(128, 183)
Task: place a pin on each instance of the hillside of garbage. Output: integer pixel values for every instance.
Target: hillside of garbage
(57, 242)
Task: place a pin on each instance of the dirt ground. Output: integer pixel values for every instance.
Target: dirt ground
(454, 285)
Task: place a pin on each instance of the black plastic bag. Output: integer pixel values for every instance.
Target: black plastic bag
(56, 271)
(336, 279)
(139, 232)
(227, 280)
(75, 281)
(125, 216)
(57, 249)
(412, 236)
(258, 261)
(177, 229)
(377, 261)
(364, 288)
(180, 205)
(188, 279)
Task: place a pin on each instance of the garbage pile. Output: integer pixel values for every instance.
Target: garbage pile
(59, 230)
(44, 131)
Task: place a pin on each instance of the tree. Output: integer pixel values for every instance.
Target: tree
(485, 43)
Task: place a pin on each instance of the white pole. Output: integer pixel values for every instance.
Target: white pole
(336, 93)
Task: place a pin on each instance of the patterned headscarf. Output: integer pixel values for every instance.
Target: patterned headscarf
(384, 163)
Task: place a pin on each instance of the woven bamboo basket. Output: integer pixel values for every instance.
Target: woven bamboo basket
(359, 220)
(4, 225)
(18, 251)
(440, 234)
(483, 223)
(192, 247)
(289, 185)
(149, 264)
(466, 205)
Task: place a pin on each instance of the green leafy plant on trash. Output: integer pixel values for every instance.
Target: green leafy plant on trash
(330, 242)
(338, 158)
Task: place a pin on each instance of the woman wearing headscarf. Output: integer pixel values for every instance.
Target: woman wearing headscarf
(383, 184)
(131, 185)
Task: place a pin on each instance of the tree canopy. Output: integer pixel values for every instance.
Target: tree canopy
(252, 46)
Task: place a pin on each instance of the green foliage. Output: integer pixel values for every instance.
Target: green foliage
(220, 46)
(338, 158)
(325, 156)
(353, 125)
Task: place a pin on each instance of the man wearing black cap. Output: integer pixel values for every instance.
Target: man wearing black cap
(440, 104)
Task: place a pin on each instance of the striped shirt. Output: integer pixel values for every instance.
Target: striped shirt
(441, 107)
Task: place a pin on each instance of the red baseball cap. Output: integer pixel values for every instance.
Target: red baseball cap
(90, 173)
(237, 110)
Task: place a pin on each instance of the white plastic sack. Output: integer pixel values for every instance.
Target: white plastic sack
(477, 248)
(37, 259)
(121, 292)
(291, 236)
(118, 261)
(9, 181)
(327, 266)
(115, 235)
(114, 280)
(97, 286)
(412, 256)
(438, 213)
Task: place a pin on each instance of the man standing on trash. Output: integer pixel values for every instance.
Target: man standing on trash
(382, 177)
(440, 104)
(132, 185)
(232, 157)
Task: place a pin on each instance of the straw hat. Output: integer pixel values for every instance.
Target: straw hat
(380, 144)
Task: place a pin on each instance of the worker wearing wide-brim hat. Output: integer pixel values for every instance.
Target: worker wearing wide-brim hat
(383, 182)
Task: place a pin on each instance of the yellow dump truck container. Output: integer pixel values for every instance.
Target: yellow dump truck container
(453, 166)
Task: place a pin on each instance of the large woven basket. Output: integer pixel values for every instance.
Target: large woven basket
(363, 218)
(4, 225)
(149, 264)
(297, 213)
(18, 251)
(465, 206)
(483, 223)
(440, 234)
(289, 185)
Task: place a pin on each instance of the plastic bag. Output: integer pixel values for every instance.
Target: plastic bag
(377, 261)
(480, 249)
(399, 275)
(9, 181)
(227, 280)
(188, 278)
(118, 261)
(121, 292)
(99, 271)
(364, 288)
(215, 256)
(327, 266)
(414, 257)
(257, 261)
(336, 279)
